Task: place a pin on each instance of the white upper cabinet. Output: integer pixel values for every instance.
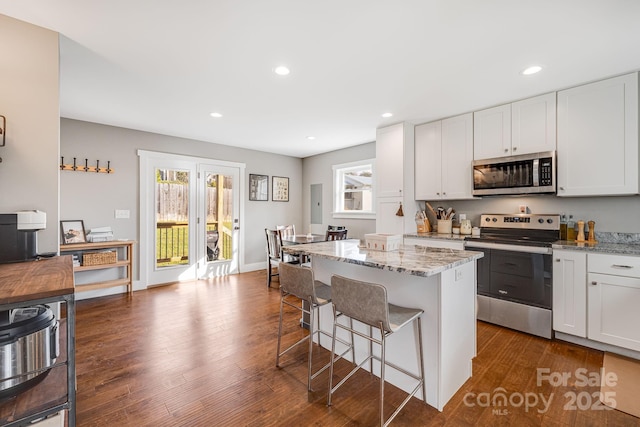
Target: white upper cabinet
(522, 127)
(443, 157)
(492, 132)
(428, 161)
(533, 125)
(390, 161)
(598, 138)
(394, 177)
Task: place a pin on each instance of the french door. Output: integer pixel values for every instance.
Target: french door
(189, 219)
(218, 220)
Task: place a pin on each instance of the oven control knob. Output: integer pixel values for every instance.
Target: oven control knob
(549, 221)
(541, 221)
(487, 219)
(494, 219)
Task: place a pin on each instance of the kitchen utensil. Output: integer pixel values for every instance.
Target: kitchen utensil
(592, 231)
(580, 237)
(432, 210)
(448, 213)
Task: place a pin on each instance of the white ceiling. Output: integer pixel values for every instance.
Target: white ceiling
(163, 65)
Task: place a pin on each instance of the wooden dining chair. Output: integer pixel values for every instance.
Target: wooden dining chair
(336, 227)
(336, 235)
(287, 230)
(274, 253)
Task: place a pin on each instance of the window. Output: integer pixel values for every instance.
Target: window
(353, 190)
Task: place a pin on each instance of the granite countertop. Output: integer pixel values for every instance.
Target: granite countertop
(600, 247)
(433, 235)
(607, 242)
(414, 260)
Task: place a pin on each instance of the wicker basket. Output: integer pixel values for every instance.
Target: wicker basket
(99, 258)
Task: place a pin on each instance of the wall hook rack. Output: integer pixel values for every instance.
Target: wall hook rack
(3, 130)
(86, 167)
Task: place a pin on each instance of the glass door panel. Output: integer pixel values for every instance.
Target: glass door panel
(220, 228)
(172, 218)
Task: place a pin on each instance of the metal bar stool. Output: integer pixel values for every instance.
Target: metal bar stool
(297, 283)
(367, 303)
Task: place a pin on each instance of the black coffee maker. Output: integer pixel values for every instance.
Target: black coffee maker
(18, 239)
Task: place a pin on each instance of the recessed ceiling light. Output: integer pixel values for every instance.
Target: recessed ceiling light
(281, 70)
(311, 138)
(216, 115)
(386, 115)
(531, 70)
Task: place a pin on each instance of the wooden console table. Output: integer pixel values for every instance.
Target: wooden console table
(125, 262)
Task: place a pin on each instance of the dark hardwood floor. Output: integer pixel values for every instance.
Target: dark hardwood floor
(203, 354)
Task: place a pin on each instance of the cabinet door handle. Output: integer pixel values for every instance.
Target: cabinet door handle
(621, 266)
(594, 283)
(444, 193)
(506, 150)
(562, 188)
(437, 194)
(514, 148)
(557, 259)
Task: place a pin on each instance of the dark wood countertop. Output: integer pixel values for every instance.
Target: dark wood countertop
(31, 280)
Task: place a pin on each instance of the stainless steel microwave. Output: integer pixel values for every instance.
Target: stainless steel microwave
(522, 174)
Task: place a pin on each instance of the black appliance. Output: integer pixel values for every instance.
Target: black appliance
(18, 235)
(515, 276)
(522, 174)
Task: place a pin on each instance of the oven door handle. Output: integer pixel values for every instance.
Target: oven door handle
(506, 247)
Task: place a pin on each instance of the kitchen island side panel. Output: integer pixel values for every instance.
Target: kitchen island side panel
(448, 324)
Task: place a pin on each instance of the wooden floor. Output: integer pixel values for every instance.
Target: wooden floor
(203, 354)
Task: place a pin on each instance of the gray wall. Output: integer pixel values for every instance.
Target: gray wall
(93, 197)
(29, 99)
(611, 214)
(318, 170)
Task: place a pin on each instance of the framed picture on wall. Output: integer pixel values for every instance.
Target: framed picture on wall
(72, 232)
(258, 187)
(280, 189)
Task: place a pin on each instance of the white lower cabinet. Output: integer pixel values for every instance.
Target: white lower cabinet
(597, 296)
(569, 292)
(613, 288)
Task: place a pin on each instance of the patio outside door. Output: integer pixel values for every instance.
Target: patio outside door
(189, 218)
(218, 221)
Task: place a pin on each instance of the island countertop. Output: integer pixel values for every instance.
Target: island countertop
(409, 259)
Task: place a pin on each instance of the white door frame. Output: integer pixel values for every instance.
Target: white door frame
(147, 196)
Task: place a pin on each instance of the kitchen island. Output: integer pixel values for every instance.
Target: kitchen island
(442, 282)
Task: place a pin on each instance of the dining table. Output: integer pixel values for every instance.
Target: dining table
(298, 239)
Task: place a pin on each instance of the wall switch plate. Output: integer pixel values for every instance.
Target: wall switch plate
(122, 213)
(458, 272)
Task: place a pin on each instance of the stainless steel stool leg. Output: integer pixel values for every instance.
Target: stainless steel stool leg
(382, 364)
(312, 310)
(279, 333)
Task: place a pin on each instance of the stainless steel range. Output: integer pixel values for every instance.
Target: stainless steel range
(515, 275)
